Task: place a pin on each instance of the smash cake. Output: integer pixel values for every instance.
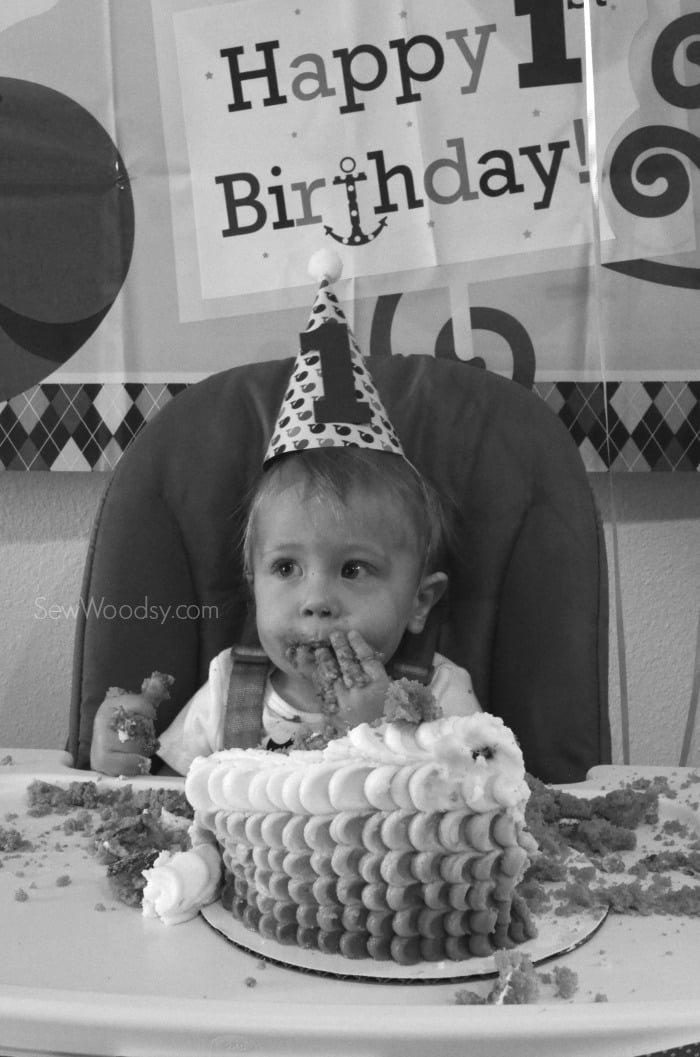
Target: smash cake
(400, 841)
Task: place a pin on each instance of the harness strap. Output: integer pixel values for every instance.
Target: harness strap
(244, 704)
(414, 657)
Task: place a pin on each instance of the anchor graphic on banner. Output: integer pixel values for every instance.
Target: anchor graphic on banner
(357, 236)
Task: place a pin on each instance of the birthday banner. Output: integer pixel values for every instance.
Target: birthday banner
(511, 183)
(365, 124)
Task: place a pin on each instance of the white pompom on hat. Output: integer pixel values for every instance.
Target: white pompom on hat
(331, 400)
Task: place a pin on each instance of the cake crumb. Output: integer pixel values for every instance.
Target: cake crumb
(21, 896)
(517, 983)
(12, 840)
(410, 701)
(465, 997)
(63, 880)
(565, 982)
(250, 981)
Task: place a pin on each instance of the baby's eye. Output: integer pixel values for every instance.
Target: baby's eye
(353, 570)
(284, 568)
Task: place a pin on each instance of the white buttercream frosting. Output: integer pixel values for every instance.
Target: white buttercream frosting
(435, 787)
(179, 884)
(471, 762)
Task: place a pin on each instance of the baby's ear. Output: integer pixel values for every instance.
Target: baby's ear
(430, 590)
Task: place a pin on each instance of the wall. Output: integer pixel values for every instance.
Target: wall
(658, 579)
(45, 522)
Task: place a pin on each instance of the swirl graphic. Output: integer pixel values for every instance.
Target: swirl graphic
(650, 174)
(627, 171)
(662, 67)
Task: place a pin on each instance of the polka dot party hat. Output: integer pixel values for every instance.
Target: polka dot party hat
(331, 400)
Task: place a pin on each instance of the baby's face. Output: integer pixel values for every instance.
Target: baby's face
(320, 567)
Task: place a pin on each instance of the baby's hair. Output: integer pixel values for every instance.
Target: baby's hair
(333, 473)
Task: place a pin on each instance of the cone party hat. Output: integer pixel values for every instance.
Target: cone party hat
(331, 400)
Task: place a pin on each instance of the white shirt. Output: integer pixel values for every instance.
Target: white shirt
(198, 730)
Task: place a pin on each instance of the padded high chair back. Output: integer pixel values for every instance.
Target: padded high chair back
(527, 609)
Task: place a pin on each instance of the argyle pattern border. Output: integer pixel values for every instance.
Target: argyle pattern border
(618, 426)
(631, 425)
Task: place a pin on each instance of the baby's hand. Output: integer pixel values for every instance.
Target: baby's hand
(123, 735)
(363, 681)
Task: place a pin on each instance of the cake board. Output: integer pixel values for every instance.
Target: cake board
(556, 936)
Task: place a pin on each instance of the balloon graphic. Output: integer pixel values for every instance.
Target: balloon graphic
(66, 230)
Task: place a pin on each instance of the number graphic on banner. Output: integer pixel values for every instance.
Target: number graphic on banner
(339, 402)
(634, 168)
(662, 62)
(550, 63)
(493, 319)
(625, 170)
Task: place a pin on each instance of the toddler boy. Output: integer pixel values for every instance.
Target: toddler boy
(344, 555)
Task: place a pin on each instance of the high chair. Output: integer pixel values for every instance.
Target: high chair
(527, 609)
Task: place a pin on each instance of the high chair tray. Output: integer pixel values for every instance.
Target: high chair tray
(83, 974)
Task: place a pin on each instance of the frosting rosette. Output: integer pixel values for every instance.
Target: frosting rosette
(179, 884)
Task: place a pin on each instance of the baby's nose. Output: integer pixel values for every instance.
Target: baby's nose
(319, 600)
(318, 609)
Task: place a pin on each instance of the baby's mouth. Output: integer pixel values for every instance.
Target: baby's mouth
(306, 646)
(305, 655)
